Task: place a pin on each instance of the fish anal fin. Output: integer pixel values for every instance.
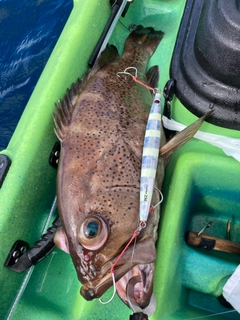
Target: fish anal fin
(182, 137)
(153, 76)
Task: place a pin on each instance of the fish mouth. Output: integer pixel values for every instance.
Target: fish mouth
(130, 265)
(136, 289)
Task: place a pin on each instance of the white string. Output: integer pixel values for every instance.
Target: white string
(114, 291)
(211, 315)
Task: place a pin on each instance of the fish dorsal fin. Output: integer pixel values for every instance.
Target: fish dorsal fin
(64, 109)
(153, 76)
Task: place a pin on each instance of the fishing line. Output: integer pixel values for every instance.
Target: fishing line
(133, 250)
(211, 315)
(131, 27)
(141, 226)
(136, 233)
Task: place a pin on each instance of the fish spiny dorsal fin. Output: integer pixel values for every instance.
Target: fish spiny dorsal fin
(182, 137)
(153, 76)
(64, 109)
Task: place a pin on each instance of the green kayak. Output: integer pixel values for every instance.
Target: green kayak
(201, 186)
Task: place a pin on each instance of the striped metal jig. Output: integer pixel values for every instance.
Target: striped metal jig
(150, 151)
(150, 157)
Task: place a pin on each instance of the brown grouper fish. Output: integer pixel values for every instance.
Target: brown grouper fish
(101, 123)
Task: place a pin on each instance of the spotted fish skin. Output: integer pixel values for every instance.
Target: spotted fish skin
(101, 123)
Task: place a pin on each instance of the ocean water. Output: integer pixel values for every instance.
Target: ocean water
(29, 30)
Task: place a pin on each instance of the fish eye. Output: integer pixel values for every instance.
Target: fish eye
(92, 233)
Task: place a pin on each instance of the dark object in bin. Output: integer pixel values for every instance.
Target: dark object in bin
(5, 163)
(21, 257)
(207, 242)
(55, 154)
(168, 94)
(224, 302)
(138, 316)
(206, 60)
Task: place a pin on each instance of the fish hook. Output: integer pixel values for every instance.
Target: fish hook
(134, 77)
(114, 290)
(161, 200)
(128, 73)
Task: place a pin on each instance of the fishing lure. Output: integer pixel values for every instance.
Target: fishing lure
(150, 151)
(150, 157)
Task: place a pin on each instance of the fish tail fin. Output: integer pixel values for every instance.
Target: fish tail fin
(148, 38)
(182, 137)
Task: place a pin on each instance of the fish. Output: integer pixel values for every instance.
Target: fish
(101, 123)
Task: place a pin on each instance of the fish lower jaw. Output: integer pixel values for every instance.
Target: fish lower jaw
(96, 291)
(100, 286)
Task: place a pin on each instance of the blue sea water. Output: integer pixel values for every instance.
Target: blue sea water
(29, 30)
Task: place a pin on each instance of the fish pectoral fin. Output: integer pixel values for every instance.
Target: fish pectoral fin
(182, 137)
(60, 239)
(153, 76)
